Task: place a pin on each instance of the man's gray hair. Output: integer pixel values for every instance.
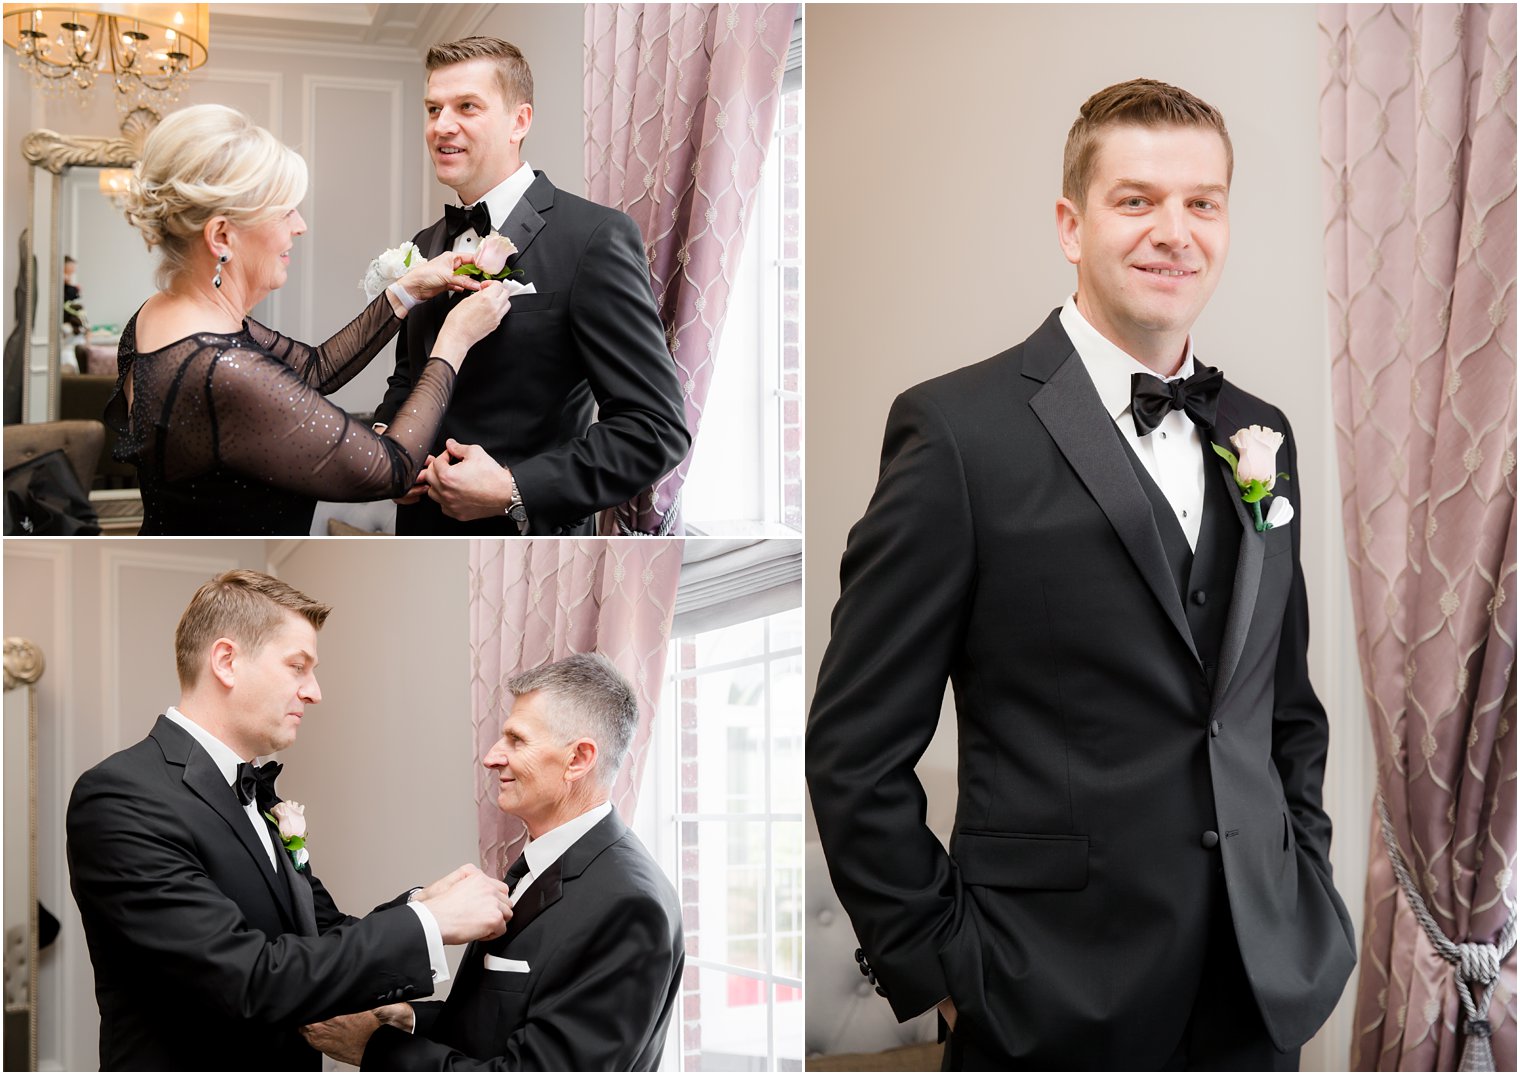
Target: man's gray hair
(589, 698)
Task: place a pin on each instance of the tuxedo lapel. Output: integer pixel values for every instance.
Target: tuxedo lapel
(1247, 565)
(300, 888)
(206, 781)
(434, 239)
(524, 222)
(542, 894)
(1074, 416)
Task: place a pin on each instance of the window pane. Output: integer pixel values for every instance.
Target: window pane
(731, 1019)
(789, 1037)
(787, 720)
(730, 643)
(786, 879)
(725, 896)
(786, 630)
(729, 774)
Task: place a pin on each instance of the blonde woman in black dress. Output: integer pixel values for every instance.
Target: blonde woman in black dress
(227, 420)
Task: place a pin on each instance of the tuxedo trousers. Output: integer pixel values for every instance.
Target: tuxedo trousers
(1224, 1030)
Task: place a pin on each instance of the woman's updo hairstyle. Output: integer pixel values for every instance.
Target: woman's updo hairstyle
(206, 161)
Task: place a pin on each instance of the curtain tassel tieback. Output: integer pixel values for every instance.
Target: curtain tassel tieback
(1477, 965)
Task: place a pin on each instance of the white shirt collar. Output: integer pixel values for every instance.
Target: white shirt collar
(226, 758)
(1109, 366)
(546, 850)
(503, 198)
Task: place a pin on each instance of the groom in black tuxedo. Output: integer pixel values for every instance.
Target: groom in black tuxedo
(212, 942)
(587, 974)
(518, 452)
(1139, 872)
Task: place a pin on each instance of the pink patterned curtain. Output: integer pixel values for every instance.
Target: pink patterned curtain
(1418, 135)
(532, 602)
(680, 106)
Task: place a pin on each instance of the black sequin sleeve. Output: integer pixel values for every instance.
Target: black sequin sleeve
(331, 365)
(272, 424)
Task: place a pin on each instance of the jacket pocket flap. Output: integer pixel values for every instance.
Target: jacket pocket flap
(1021, 860)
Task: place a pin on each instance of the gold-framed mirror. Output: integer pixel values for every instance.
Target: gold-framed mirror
(65, 168)
(23, 668)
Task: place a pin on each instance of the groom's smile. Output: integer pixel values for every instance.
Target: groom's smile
(472, 131)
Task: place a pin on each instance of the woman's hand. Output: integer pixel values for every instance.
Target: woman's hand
(436, 275)
(471, 321)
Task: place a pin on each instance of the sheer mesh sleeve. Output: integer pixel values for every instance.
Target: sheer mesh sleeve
(330, 365)
(264, 420)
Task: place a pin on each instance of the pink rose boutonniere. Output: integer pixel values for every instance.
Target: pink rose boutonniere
(1256, 473)
(291, 819)
(490, 261)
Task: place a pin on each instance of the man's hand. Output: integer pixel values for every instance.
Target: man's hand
(402, 1016)
(947, 1009)
(343, 1037)
(468, 906)
(419, 487)
(467, 483)
(436, 275)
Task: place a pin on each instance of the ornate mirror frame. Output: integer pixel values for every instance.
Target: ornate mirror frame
(23, 668)
(51, 154)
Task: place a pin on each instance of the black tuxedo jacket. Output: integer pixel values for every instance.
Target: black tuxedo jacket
(600, 932)
(588, 343)
(205, 957)
(1110, 764)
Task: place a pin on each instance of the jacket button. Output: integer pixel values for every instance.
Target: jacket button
(1215, 727)
(1199, 597)
(1210, 839)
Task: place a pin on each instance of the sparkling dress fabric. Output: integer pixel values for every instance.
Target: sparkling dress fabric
(1418, 135)
(233, 434)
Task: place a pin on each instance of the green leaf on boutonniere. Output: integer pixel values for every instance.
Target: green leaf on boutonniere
(1228, 456)
(471, 269)
(1253, 490)
(295, 843)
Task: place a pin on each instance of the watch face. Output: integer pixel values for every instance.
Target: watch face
(517, 513)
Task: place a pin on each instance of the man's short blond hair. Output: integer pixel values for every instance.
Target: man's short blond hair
(245, 606)
(512, 72)
(1140, 102)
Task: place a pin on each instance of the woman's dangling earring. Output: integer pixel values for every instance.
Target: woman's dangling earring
(216, 281)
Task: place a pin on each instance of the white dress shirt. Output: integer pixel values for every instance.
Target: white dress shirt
(500, 200)
(546, 850)
(1172, 453)
(227, 761)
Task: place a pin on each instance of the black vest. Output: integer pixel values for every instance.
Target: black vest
(1205, 577)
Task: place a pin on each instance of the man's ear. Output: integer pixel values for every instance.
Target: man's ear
(224, 655)
(522, 122)
(582, 760)
(1068, 222)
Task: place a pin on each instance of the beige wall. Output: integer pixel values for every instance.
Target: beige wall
(934, 150)
(354, 111)
(386, 764)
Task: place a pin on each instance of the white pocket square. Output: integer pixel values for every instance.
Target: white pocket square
(514, 288)
(1280, 513)
(516, 966)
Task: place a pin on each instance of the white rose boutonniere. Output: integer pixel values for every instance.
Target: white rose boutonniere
(291, 819)
(389, 267)
(1256, 472)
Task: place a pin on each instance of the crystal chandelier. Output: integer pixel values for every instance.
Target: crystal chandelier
(144, 50)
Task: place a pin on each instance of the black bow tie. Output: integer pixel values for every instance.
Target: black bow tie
(1196, 396)
(457, 220)
(516, 872)
(256, 783)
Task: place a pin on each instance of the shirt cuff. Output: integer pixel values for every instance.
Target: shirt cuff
(403, 295)
(436, 958)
